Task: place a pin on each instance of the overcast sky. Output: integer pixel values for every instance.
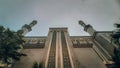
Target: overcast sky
(101, 14)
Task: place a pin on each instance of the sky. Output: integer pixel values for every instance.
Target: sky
(101, 14)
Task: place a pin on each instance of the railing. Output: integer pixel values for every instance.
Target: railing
(34, 46)
(82, 45)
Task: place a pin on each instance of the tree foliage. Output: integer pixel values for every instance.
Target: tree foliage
(116, 40)
(10, 43)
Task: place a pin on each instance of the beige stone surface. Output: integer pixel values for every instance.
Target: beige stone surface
(88, 58)
(32, 56)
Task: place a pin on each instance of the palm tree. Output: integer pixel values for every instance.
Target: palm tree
(10, 43)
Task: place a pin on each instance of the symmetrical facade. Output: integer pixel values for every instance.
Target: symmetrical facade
(60, 50)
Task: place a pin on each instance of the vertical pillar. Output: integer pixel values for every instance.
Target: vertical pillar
(51, 59)
(70, 53)
(48, 45)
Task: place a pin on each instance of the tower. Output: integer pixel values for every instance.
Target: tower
(88, 28)
(59, 52)
(27, 28)
(103, 39)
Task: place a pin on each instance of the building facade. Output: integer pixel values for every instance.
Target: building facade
(60, 50)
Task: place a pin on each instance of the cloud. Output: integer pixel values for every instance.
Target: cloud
(51, 13)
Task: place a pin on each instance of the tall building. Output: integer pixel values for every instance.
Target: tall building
(60, 50)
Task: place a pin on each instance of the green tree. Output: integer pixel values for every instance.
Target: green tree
(116, 40)
(10, 43)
